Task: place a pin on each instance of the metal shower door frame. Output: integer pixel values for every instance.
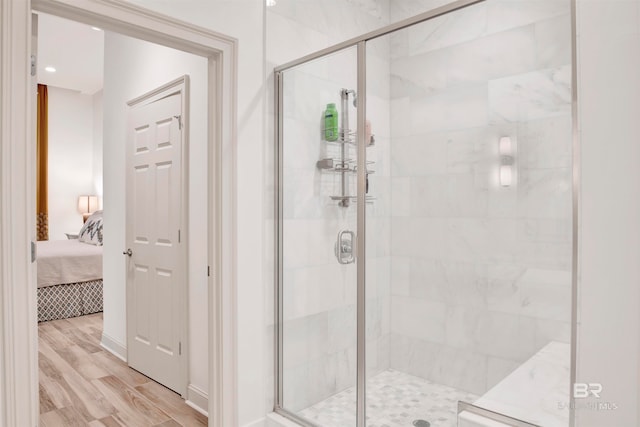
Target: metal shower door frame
(361, 44)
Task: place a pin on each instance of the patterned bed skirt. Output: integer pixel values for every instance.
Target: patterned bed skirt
(69, 300)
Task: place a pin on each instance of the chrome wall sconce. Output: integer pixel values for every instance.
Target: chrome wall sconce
(506, 151)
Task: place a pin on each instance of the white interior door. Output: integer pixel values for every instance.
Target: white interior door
(156, 278)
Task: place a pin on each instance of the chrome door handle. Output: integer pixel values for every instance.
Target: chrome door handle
(344, 247)
(128, 252)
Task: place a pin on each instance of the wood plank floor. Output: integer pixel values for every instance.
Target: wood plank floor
(82, 384)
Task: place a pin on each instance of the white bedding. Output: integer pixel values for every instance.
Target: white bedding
(68, 261)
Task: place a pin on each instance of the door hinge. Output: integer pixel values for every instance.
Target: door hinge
(34, 252)
(178, 236)
(208, 271)
(34, 62)
(179, 348)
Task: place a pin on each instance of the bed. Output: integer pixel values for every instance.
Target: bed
(70, 274)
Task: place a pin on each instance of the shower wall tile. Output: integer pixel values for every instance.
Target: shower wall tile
(308, 242)
(461, 369)
(301, 143)
(378, 70)
(493, 56)
(401, 276)
(506, 335)
(537, 293)
(318, 289)
(297, 347)
(429, 196)
(418, 237)
(531, 96)
(333, 21)
(472, 151)
(448, 30)
(552, 330)
(422, 319)
(455, 108)
(400, 196)
(429, 279)
(403, 9)
(544, 144)
(547, 255)
(400, 117)
(280, 28)
(498, 369)
(544, 193)
(422, 154)
(342, 328)
(420, 75)
(502, 201)
(461, 327)
(506, 14)
(480, 239)
(296, 388)
(553, 42)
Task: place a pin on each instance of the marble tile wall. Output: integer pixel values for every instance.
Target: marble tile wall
(480, 273)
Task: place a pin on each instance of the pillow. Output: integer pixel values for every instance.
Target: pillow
(91, 231)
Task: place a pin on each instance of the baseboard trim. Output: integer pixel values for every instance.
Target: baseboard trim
(198, 399)
(114, 347)
(261, 422)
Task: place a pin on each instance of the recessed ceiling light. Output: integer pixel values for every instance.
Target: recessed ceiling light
(50, 69)
(271, 3)
(96, 29)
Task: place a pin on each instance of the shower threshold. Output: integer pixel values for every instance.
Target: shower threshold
(394, 399)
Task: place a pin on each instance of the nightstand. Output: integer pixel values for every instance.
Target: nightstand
(71, 236)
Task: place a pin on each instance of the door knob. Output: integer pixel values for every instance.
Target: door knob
(128, 252)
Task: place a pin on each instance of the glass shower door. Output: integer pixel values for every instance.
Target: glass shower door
(468, 261)
(318, 225)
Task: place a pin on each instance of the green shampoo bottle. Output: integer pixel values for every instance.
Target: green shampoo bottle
(331, 123)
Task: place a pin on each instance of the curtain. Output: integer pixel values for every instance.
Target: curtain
(42, 160)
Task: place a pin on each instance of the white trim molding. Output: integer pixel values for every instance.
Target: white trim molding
(198, 399)
(114, 347)
(18, 330)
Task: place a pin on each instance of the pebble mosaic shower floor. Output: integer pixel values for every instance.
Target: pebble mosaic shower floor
(394, 399)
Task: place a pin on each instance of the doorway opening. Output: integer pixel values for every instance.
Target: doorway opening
(220, 54)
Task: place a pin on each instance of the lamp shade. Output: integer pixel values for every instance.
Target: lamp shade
(87, 204)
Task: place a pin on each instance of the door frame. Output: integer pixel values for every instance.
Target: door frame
(18, 328)
(181, 85)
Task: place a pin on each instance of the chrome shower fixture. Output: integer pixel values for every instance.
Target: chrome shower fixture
(346, 92)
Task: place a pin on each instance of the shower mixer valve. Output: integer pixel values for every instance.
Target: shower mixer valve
(344, 247)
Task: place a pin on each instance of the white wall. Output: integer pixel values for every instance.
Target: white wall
(97, 145)
(609, 287)
(132, 68)
(71, 158)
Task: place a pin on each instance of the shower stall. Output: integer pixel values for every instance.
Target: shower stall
(425, 244)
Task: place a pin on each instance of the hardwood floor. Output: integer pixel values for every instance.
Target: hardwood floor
(82, 384)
